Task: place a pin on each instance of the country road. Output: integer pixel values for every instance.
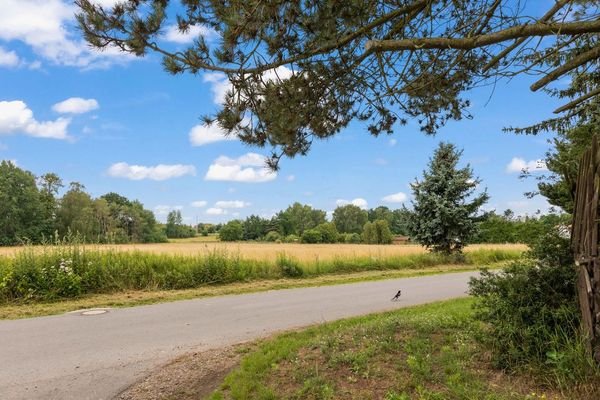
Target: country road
(75, 356)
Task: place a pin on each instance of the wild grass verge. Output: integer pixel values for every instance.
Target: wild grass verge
(62, 272)
(424, 352)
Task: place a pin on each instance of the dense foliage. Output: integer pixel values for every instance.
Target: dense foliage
(175, 228)
(33, 212)
(509, 228)
(530, 308)
(445, 208)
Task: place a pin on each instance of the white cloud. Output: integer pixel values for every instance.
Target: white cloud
(159, 172)
(8, 58)
(76, 105)
(528, 206)
(518, 164)
(205, 134)
(48, 27)
(359, 202)
(393, 142)
(174, 35)
(220, 84)
(381, 161)
(216, 211)
(231, 204)
(107, 3)
(164, 209)
(395, 198)
(291, 178)
(247, 168)
(199, 203)
(16, 117)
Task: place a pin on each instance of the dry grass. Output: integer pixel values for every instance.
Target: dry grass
(270, 251)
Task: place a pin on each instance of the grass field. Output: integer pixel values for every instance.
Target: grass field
(270, 251)
(425, 352)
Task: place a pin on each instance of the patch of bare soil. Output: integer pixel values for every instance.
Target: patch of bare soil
(192, 376)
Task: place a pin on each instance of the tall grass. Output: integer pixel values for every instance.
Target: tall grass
(57, 272)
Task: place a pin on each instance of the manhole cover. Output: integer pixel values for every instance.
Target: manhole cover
(94, 312)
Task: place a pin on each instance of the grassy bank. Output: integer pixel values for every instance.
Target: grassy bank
(425, 352)
(130, 298)
(54, 273)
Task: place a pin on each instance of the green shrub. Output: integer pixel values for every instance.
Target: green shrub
(312, 236)
(530, 309)
(291, 239)
(329, 233)
(273, 236)
(232, 231)
(377, 232)
(289, 266)
(353, 238)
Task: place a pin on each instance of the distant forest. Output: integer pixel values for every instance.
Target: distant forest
(31, 211)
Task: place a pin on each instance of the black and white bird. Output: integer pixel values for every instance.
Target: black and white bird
(397, 296)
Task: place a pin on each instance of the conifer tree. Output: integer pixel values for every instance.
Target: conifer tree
(445, 210)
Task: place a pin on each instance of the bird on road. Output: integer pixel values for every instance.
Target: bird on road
(397, 296)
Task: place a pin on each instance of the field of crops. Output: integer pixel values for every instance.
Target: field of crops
(270, 251)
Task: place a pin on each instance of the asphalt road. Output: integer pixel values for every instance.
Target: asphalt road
(74, 356)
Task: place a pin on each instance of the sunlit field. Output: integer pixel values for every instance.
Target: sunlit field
(270, 251)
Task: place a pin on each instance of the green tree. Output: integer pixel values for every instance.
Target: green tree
(329, 233)
(376, 61)
(312, 236)
(563, 162)
(49, 185)
(349, 218)
(369, 234)
(23, 213)
(377, 232)
(174, 227)
(75, 212)
(298, 218)
(232, 231)
(381, 212)
(399, 223)
(255, 227)
(445, 208)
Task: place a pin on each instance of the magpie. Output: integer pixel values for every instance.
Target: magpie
(397, 296)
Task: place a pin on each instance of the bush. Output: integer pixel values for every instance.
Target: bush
(291, 239)
(353, 238)
(232, 231)
(530, 308)
(289, 266)
(377, 232)
(312, 236)
(329, 233)
(273, 236)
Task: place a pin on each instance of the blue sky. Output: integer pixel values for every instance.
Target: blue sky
(120, 124)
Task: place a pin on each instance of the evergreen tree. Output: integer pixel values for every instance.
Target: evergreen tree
(444, 216)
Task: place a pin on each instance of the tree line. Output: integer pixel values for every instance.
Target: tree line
(303, 223)
(31, 211)
(445, 216)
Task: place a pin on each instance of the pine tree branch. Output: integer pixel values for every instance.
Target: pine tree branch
(577, 101)
(571, 65)
(520, 41)
(515, 32)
